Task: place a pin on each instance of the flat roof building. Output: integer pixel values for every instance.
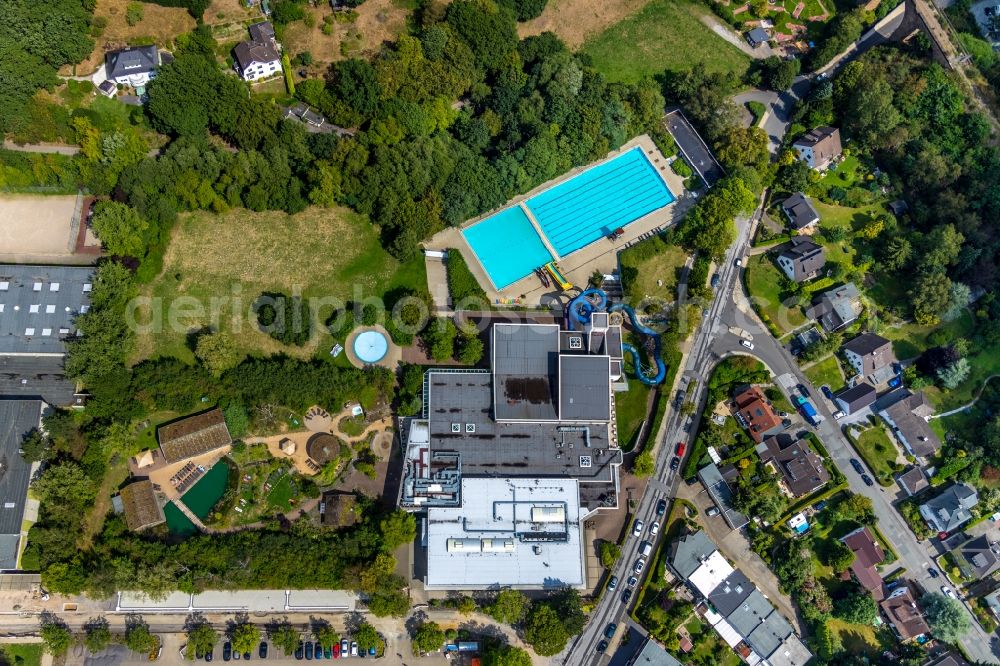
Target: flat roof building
(520, 533)
(39, 306)
(17, 418)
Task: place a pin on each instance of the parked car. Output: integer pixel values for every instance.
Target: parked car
(675, 462)
(613, 583)
(609, 631)
(309, 650)
(626, 595)
(712, 511)
(681, 447)
(602, 646)
(803, 390)
(319, 651)
(637, 528)
(246, 656)
(236, 656)
(354, 648)
(336, 650)
(739, 262)
(632, 581)
(654, 529)
(716, 280)
(661, 507)
(839, 414)
(262, 650)
(639, 565)
(867, 479)
(826, 391)
(227, 651)
(933, 572)
(299, 651)
(345, 647)
(372, 651)
(948, 592)
(858, 467)
(747, 344)
(210, 655)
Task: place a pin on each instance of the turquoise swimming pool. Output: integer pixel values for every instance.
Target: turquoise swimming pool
(507, 246)
(591, 205)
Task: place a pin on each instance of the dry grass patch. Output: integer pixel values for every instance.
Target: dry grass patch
(377, 21)
(160, 23)
(575, 21)
(235, 257)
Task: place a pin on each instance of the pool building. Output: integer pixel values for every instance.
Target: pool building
(503, 465)
(572, 218)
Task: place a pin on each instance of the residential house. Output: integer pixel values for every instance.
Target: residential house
(258, 58)
(903, 614)
(977, 558)
(193, 436)
(752, 410)
(652, 654)
(898, 207)
(909, 418)
(951, 509)
(802, 259)
(722, 495)
(799, 211)
(868, 555)
(819, 147)
(802, 470)
(836, 308)
(855, 398)
(141, 507)
(912, 481)
(871, 356)
(134, 66)
(757, 36)
(949, 659)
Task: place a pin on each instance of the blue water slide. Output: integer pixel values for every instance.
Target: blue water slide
(580, 309)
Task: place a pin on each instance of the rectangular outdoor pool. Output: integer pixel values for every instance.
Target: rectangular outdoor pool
(592, 204)
(507, 246)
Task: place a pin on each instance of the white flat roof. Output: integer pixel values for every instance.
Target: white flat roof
(239, 600)
(713, 570)
(494, 510)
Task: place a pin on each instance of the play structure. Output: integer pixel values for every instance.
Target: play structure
(590, 301)
(557, 276)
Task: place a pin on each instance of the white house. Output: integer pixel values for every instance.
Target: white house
(133, 66)
(259, 57)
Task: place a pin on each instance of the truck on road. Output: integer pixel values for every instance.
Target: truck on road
(808, 410)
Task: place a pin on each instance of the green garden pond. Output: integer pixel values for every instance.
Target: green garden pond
(200, 499)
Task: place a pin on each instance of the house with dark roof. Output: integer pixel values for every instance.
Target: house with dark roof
(801, 259)
(134, 66)
(752, 410)
(912, 481)
(909, 418)
(802, 470)
(722, 495)
(757, 36)
(855, 398)
(819, 147)
(871, 356)
(799, 211)
(977, 558)
(141, 506)
(868, 555)
(949, 659)
(836, 308)
(652, 654)
(903, 614)
(259, 57)
(951, 509)
(17, 419)
(193, 436)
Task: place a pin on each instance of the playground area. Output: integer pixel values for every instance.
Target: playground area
(567, 229)
(39, 228)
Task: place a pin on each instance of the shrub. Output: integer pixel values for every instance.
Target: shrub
(462, 284)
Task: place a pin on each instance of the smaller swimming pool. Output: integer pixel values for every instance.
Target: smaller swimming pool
(370, 346)
(507, 246)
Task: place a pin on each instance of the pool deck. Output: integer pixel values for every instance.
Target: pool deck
(577, 267)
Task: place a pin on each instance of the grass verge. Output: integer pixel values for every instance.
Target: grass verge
(826, 372)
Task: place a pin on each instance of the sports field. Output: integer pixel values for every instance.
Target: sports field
(35, 225)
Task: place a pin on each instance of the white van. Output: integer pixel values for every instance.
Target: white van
(645, 548)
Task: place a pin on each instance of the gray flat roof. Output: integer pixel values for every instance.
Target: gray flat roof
(17, 417)
(36, 377)
(770, 634)
(38, 305)
(689, 552)
(731, 593)
(722, 495)
(652, 654)
(524, 363)
(459, 420)
(749, 613)
(585, 388)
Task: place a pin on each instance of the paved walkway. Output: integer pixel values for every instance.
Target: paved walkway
(734, 38)
(969, 404)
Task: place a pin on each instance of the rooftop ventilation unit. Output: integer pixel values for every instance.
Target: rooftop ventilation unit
(470, 427)
(576, 342)
(456, 427)
(586, 461)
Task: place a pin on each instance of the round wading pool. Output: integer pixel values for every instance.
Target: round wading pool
(370, 346)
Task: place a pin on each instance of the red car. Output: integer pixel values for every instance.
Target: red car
(681, 446)
(336, 650)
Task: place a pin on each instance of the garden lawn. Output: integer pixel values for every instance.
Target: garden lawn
(879, 453)
(664, 35)
(22, 654)
(656, 276)
(826, 372)
(764, 282)
(910, 340)
(226, 261)
(856, 638)
(845, 174)
(850, 219)
(630, 408)
(282, 492)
